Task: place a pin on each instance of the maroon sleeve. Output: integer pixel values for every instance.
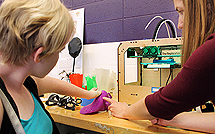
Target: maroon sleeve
(193, 86)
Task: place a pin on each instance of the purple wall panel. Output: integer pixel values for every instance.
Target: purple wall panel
(67, 3)
(77, 3)
(122, 20)
(110, 31)
(146, 7)
(103, 11)
(99, 0)
(134, 28)
(101, 17)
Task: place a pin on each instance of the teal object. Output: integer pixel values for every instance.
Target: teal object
(151, 51)
(91, 82)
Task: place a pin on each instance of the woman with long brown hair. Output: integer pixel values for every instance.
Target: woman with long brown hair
(194, 85)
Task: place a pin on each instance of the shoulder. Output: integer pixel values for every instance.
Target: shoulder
(203, 58)
(210, 39)
(208, 46)
(212, 36)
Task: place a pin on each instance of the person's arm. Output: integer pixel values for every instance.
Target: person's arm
(204, 122)
(53, 85)
(136, 111)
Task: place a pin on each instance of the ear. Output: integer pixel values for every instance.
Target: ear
(36, 55)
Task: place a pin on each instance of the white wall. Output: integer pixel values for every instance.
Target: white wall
(100, 56)
(105, 56)
(95, 56)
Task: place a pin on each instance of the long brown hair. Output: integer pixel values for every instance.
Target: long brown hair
(199, 23)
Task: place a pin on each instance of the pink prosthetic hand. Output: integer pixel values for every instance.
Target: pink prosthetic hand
(97, 105)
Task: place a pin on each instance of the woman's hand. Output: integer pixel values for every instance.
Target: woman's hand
(161, 122)
(117, 108)
(136, 111)
(94, 93)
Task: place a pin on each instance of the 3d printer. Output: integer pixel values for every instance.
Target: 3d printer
(157, 60)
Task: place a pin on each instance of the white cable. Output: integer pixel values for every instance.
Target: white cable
(154, 19)
(162, 24)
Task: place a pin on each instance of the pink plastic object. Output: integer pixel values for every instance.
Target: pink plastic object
(97, 105)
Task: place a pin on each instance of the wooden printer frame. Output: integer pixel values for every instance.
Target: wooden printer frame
(131, 93)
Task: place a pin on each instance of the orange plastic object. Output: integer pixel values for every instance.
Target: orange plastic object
(76, 79)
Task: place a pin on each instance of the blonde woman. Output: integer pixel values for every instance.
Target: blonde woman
(32, 33)
(194, 85)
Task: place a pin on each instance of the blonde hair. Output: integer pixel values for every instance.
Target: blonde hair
(199, 23)
(26, 25)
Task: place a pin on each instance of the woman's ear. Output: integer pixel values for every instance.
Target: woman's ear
(36, 55)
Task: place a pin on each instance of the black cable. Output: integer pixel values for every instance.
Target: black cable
(170, 25)
(66, 102)
(169, 76)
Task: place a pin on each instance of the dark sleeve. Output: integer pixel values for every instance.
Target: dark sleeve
(193, 86)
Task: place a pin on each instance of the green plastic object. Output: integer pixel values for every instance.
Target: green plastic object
(91, 82)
